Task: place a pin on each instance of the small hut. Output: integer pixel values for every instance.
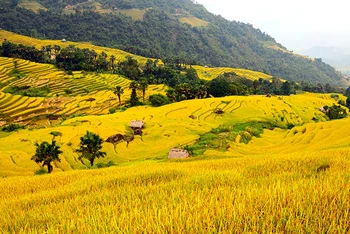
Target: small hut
(137, 124)
(178, 153)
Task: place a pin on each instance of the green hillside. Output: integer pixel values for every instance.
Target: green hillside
(164, 28)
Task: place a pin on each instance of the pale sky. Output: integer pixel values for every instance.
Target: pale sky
(296, 24)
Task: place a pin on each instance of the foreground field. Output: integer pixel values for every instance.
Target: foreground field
(249, 194)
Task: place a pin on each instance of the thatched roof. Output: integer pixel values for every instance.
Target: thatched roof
(137, 124)
(178, 153)
(218, 111)
(115, 138)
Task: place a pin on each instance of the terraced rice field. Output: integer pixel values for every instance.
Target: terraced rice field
(207, 73)
(174, 125)
(27, 110)
(286, 181)
(28, 41)
(39, 75)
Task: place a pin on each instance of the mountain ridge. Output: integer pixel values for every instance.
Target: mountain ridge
(161, 34)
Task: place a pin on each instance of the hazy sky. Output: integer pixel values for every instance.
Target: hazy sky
(296, 24)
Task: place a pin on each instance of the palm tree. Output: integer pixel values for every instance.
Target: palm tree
(143, 85)
(90, 146)
(118, 91)
(47, 153)
(112, 58)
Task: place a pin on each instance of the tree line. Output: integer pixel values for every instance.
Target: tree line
(176, 72)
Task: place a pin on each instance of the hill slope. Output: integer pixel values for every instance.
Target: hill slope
(169, 126)
(205, 38)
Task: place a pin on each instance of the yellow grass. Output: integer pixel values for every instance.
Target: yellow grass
(270, 185)
(19, 39)
(194, 21)
(251, 194)
(135, 14)
(207, 73)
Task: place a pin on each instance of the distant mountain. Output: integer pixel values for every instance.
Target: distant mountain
(335, 56)
(163, 28)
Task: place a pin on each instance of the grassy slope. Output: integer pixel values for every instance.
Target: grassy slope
(135, 14)
(31, 5)
(194, 21)
(270, 185)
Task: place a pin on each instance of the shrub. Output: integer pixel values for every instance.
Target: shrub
(158, 100)
(68, 91)
(28, 91)
(41, 171)
(105, 165)
(113, 110)
(336, 112)
(12, 127)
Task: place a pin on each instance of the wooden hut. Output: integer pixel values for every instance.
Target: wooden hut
(137, 126)
(178, 153)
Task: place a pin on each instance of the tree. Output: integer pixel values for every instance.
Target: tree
(158, 99)
(219, 87)
(134, 100)
(130, 68)
(90, 147)
(191, 74)
(286, 88)
(112, 58)
(119, 91)
(143, 85)
(347, 92)
(335, 112)
(47, 153)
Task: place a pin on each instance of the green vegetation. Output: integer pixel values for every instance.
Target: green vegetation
(161, 22)
(47, 153)
(335, 112)
(158, 100)
(221, 137)
(28, 91)
(90, 147)
(12, 127)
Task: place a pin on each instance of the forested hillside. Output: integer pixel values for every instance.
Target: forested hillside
(156, 28)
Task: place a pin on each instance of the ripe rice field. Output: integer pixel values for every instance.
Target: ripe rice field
(39, 75)
(37, 43)
(294, 178)
(95, 87)
(174, 125)
(277, 183)
(207, 73)
(28, 110)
